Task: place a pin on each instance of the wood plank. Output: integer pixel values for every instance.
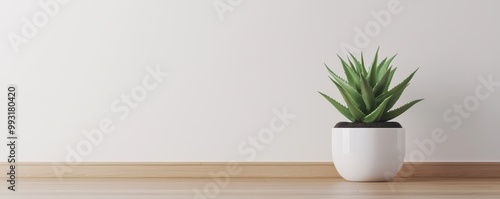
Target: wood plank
(247, 170)
(246, 188)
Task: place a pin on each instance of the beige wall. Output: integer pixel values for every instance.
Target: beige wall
(234, 70)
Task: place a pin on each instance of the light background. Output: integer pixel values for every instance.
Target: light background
(227, 76)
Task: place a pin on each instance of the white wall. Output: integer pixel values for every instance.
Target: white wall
(227, 76)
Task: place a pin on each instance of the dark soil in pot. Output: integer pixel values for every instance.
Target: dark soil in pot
(368, 125)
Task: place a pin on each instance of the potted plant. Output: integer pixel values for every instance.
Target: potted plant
(370, 147)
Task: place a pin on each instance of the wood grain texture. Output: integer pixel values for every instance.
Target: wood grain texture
(451, 169)
(246, 170)
(250, 188)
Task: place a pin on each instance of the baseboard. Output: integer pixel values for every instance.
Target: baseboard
(241, 170)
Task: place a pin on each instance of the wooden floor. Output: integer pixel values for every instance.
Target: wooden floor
(245, 188)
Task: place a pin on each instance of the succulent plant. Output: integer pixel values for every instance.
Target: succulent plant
(366, 92)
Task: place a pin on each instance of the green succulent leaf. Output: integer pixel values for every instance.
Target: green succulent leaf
(352, 65)
(380, 86)
(389, 80)
(334, 74)
(381, 63)
(350, 91)
(367, 94)
(396, 112)
(341, 108)
(377, 113)
(357, 114)
(351, 75)
(359, 67)
(362, 60)
(395, 98)
(375, 59)
(396, 88)
(372, 76)
(384, 67)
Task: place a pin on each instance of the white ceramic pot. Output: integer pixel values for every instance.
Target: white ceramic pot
(368, 154)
